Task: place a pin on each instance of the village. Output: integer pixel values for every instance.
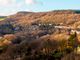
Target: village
(53, 27)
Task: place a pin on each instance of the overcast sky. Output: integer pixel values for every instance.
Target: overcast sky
(8, 7)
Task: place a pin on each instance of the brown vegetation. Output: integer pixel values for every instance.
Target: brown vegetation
(66, 17)
(39, 44)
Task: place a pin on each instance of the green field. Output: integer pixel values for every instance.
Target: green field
(2, 18)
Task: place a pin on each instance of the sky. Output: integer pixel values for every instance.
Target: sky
(8, 7)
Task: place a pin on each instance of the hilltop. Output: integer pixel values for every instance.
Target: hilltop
(64, 17)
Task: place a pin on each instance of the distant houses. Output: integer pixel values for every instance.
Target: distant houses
(48, 26)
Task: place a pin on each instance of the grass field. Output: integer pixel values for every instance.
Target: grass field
(2, 19)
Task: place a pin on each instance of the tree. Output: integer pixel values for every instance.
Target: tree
(6, 28)
(72, 41)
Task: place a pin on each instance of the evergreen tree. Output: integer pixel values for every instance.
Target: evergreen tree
(72, 41)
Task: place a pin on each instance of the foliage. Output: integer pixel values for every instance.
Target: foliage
(72, 40)
(57, 54)
(6, 28)
(3, 48)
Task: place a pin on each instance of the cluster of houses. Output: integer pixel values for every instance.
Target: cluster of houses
(60, 28)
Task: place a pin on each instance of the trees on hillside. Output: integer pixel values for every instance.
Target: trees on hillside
(6, 28)
(73, 41)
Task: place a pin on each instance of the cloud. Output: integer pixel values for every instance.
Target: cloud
(12, 2)
(8, 7)
(32, 2)
(7, 2)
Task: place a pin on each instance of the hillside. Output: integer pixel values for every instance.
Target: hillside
(33, 36)
(23, 23)
(64, 17)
